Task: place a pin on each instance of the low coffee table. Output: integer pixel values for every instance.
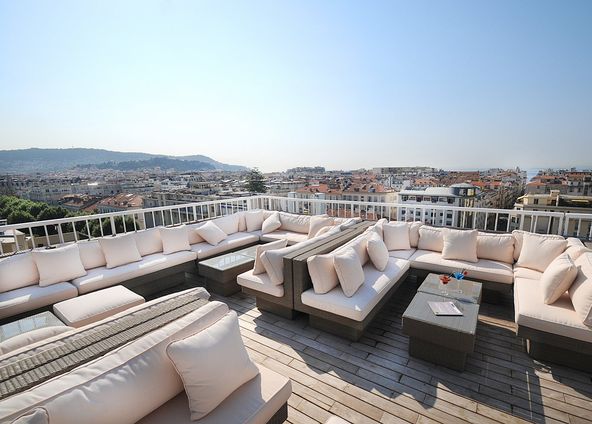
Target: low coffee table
(444, 340)
(463, 290)
(220, 272)
(24, 325)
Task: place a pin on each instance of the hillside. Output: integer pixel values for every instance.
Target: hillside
(43, 160)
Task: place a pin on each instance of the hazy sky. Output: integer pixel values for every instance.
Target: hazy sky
(276, 84)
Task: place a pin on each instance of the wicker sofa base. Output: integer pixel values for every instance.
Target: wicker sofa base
(548, 347)
(280, 416)
(276, 309)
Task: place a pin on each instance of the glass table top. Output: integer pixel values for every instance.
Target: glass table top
(463, 290)
(42, 320)
(231, 260)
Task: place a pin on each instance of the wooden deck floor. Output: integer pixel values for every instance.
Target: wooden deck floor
(375, 380)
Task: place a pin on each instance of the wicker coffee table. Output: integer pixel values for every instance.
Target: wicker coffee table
(444, 340)
(220, 272)
(464, 290)
(24, 325)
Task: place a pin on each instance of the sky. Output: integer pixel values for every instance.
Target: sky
(277, 84)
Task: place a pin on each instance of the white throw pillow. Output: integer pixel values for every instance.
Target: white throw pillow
(497, 247)
(262, 248)
(575, 248)
(273, 261)
(519, 235)
(91, 254)
(148, 241)
(120, 250)
(379, 254)
(558, 278)
(349, 271)
(58, 265)
(377, 228)
(317, 223)
(254, 220)
(295, 223)
(242, 223)
(430, 238)
(326, 230)
(322, 273)
(271, 223)
(192, 233)
(229, 223)
(174, 239)
(460, 245)
(414, 232)
(360, 246)
(396, 235)
(211, 233)
(539, 251)
(212, 364)
(17, 271)
(580, 291)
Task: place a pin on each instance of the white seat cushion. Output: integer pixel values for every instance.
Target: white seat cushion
(260, 282)
(93, 307)
(99, 278)
(531, 274)
(254, 402)
(58, 265)
(402, 254)
(292, 237)
(32, 297)
(558, 318)
(376, 285)
(483, 269)
(232, 242)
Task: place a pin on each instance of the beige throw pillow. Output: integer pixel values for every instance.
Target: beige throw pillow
(538, 251)
(262, 248)
(496, 247)
(18, 270)
(120, 250)
(212, 364)
(519, 236)
(211, 233)
(377, 250)
(91, 254)
(148, 241)
(174, 239)
(430, 238)
(322, 273)
(58, 265)
(580, 291)
(414, 232)
(230, 224)
(460, 245)
(271, 223)
(396, 236)
(318, 222)
(254, 220)
(558, 277)
(349, 271)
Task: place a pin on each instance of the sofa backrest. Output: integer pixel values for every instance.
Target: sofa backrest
(518, 235)
(122, 386)
(295, 223)
(17, 271)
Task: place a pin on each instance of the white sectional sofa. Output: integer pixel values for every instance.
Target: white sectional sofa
(144, 381)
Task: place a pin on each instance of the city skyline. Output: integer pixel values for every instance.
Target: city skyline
(274, 86)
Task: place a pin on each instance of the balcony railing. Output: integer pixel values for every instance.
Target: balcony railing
(17, 237)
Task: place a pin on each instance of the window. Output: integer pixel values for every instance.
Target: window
(451, 201)
(536, 201)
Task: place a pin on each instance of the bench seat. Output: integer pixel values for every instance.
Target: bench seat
(261, 283)
(531, 274)
(232, 242)
(29, 298)
(402, 254)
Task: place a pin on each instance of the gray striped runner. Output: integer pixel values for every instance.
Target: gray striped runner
(85, 346)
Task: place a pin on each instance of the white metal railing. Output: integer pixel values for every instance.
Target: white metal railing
(58, 231)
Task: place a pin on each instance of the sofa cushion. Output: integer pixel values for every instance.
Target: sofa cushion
(294, 222)
(30, 337)
(254, 220)
(122, 386)
(18, 271)
(580, 291)
(519, 235)
(59, 264)
(497, 247)
(211, 233)
(261, 283)
(360, 245)
(349, 271)
(483, 269)
(30, 298)
(120, 250)
(192, 233)
(212, 363)
(242, 222)
(35, 416)
(459, 244)
(430, 238)
(99, 278)
(93, 307)
(414, 233)
(259, 267)
(538, 251)
(290, 236)
(527, 273)
(148, 241)
(174, 239)
(376, 285)
(322, 273)
(558, 277)
(396, 235)
(256, 401)
(558, 318)
(229, 224)
(91, 254)
(377, 251)
(575, 248)
(402, 254)
(271, 223)
(317, 222)
(232, 242)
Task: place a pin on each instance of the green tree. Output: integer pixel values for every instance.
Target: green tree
(256, 181)
(19, 216)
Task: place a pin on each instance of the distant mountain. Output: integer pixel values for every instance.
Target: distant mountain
(43, 160)
(162, 163)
